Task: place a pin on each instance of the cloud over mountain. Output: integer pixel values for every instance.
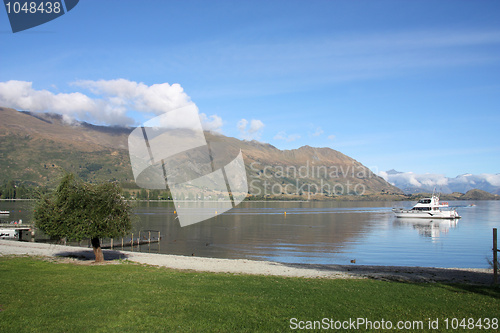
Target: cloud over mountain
(250, 130)
(109, 102)
(282, 135)
(411, 182)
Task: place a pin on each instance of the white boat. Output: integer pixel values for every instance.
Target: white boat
(428, 208)
(4, 212)
(8, 233)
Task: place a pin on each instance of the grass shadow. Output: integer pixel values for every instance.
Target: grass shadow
(86, 255)
(478, 281)
(406, 273)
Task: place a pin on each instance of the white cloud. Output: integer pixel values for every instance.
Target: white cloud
(242, 124)
(157, 98)
(286, 137)
(21, 95)
(331, 137)
(418, 180)
(492, 179)
(318, 132)
(211, 123)
(252, 132)
(428, 181)
(110, 105)
(384, 175)
(255, 125)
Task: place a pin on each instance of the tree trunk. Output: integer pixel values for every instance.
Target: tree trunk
(96, 245)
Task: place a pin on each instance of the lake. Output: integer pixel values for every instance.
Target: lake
(318, 233)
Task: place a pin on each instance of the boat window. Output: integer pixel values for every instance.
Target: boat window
(421, 208)
(425, 201)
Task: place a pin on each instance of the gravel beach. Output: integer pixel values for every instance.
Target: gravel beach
(243, 266)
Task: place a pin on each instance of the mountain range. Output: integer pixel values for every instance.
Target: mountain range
(34, 147)
(410, 182)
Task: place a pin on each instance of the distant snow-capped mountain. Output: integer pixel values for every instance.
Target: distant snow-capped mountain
(410, 182)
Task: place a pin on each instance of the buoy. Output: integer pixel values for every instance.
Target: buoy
(175, 212)
(285, 213)
(215, 212)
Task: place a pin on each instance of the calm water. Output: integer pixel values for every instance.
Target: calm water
(320, 233)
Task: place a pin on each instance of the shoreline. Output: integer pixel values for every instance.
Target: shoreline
(343, 198)
(254, 267)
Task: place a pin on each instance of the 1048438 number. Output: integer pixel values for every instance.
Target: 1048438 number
(471, 323)
(26, 7)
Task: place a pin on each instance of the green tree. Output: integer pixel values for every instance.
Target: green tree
(10, 190)
(165, 195)
(21, 192)
(154, 194)
(78, 210)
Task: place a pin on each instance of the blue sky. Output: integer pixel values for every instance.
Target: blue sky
(412, 85)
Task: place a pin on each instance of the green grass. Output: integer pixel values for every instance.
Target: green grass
(37, 295)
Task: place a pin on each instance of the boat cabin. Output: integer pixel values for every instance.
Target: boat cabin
(425, 201)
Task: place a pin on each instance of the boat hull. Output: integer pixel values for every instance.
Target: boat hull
(401, 213)
(8, 233)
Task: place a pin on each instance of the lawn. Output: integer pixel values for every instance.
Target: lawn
(38, 295)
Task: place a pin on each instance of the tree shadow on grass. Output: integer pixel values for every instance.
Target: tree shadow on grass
(486, 290)
(88, 255)
(406, 273)
(479, 281)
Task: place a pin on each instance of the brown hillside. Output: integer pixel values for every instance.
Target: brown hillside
(34, 146)
(479, 195)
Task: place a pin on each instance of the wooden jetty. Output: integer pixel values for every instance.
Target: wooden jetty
(148, 237)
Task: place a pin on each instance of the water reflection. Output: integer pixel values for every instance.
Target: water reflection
(316, 232)
(431, 228)
(268, 231)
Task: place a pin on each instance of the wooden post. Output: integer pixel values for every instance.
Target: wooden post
(111, 243)
(495, 257)
(122, 243)
(158, 242)
(138, 242)
(132, 243)
(149, 241)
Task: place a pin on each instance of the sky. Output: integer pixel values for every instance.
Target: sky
(406, 85)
